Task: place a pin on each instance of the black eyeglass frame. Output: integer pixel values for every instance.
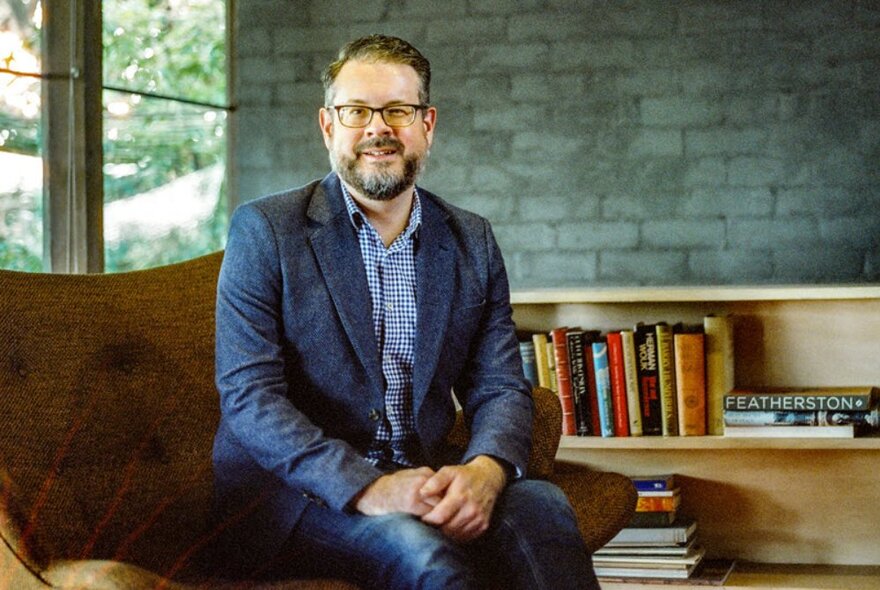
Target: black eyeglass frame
(380, 110)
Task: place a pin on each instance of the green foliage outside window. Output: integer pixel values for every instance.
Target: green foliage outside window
(167, 48)
(173, 49)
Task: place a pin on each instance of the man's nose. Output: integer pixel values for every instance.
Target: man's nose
(377, 125)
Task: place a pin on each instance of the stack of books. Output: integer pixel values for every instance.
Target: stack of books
(658, 543)
(652, 379)
(815, 412)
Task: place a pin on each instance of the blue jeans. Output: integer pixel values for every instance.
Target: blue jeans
(533, 542)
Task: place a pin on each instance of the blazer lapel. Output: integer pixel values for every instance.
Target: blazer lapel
(435, 262)
(336, 248)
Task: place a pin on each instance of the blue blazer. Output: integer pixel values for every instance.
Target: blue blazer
(298, 368)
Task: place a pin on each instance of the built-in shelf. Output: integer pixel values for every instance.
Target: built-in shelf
(768, 500)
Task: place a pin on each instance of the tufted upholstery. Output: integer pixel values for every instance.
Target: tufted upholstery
(107, 417)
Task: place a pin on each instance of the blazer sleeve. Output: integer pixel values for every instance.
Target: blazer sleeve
(495, 396)
(250, 372)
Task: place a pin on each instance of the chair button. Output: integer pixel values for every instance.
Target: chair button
(373, 415)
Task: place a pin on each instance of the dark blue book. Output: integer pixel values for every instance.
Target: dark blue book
(653, 483)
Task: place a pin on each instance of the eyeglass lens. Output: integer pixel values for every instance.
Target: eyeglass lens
(360, 116)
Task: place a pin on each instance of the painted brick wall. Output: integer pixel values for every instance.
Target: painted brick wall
(611, 142)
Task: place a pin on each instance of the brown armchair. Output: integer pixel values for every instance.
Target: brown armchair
(107, 417)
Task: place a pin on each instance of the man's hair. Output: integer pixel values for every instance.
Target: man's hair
(380, 48)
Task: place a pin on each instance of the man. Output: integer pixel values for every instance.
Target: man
(348, 310)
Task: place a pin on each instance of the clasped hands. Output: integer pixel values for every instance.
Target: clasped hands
(457, 499)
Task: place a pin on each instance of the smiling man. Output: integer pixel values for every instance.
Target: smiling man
(347, 312)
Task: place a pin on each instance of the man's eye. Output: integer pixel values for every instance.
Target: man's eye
(396, 112)
(356, 111)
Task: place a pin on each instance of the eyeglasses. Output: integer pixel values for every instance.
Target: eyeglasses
(398, 115)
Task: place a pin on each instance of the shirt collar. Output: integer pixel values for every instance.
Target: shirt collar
(357, 217)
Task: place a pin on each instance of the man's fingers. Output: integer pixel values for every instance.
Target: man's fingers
(437, 483)
(398, 492)
(443, 512)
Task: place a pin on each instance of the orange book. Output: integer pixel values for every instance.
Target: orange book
(690, 383)
(658, 503)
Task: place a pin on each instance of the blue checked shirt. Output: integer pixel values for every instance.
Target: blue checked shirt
(391, 276)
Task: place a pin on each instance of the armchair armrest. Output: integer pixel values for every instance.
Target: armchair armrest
(19, 563)
(604, 502)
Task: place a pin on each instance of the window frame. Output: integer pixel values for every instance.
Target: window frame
(72, 118)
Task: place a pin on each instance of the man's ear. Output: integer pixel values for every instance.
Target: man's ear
(429, 121)
(325, 120)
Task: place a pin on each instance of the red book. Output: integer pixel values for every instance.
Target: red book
(563, 381)
(618, 384)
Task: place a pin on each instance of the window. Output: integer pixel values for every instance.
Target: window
(164, 130)
(21, 167)
(134, 151)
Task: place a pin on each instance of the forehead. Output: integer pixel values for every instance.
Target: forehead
(376, 83)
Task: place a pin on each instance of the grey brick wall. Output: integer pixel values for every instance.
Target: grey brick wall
(611, 142)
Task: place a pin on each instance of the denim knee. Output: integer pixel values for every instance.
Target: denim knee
(535, 542)
(416, 555)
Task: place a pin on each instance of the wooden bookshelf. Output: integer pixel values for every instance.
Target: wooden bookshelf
(766, 502)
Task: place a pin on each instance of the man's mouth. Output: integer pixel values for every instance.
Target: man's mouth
(380, 150)
(379, 153)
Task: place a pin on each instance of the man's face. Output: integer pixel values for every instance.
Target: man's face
(377, 161)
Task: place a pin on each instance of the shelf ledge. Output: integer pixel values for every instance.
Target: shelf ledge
(705, 443)
(759, 576)
(679, 294)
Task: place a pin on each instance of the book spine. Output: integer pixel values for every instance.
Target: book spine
(563, 381)
(618, 384)
(649, 399)
(666, 381)
(652, 484)
(551, 368)
(592, 393)
(578, 372)
(818, 418)
(652, 519)
(603, 389)
(539, 341)
(791, 431)
(530, 367)
(630, 368)
(690, 380)
(719, 369)
(671, 535)
(796, 402)
(657, 503)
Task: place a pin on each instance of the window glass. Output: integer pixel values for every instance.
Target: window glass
(21, 167)
(163, 181)
(169, 47)
(164, 131)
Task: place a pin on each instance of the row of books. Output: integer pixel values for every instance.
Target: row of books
(655, 379)
(838, 412)
(659, 543)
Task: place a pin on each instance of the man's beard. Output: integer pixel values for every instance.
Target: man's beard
(382, 183)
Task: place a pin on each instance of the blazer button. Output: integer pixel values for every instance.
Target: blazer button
(374, 415)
